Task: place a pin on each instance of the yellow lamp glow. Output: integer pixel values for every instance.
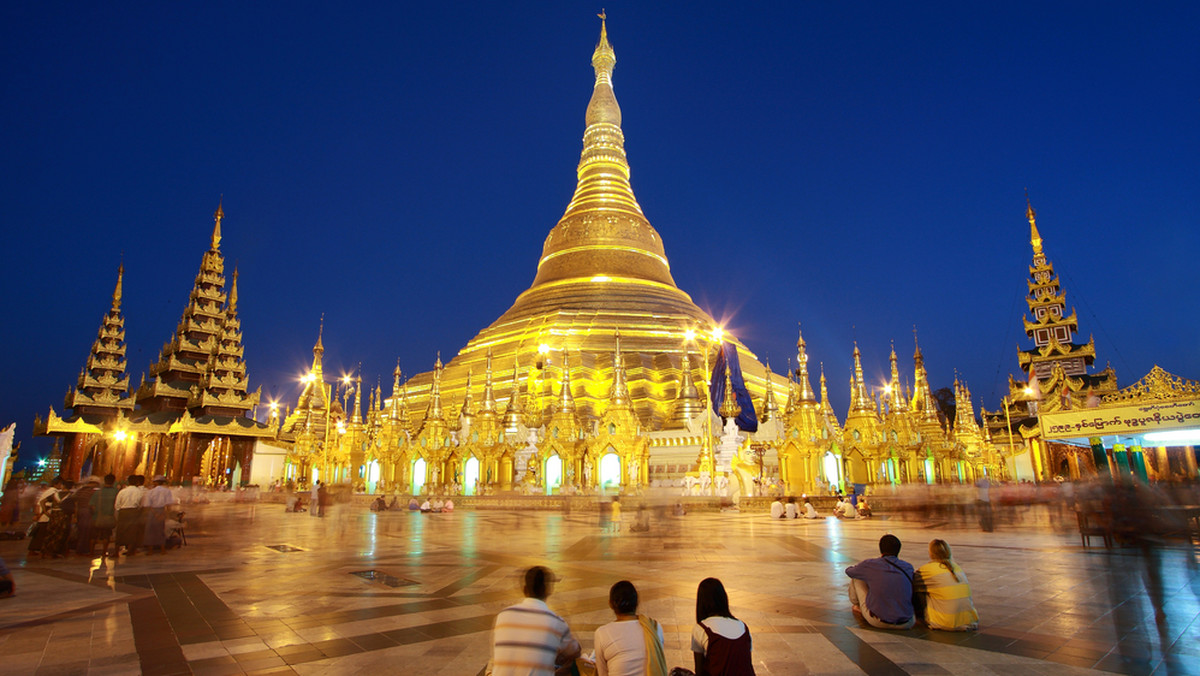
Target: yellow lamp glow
(120, 435)
(543, 348)
(689, 335)
(718, 333)
(346, 380)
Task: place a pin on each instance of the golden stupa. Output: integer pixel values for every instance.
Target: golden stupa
(603, 270)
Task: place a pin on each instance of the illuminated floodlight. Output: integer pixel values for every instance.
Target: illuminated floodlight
(718, 333)
(1189, 437)
(1029, 391)
(308, 377)
(887, 388)
(689, 335)
(543, 349)
(120, 435)
(41, 462)
(346, 380)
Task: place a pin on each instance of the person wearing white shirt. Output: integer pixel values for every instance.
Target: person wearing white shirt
(789, 510)
(633, 644)
(777, 509)
(155, 502)
(128, 505)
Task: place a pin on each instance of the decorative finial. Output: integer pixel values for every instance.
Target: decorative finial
(217, 216)
(116, 298)
(1035, 238)
(604, 58)
(319, 348)
(233, 295)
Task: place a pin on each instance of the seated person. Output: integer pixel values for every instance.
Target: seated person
(529, 638)
(394, 505)
(721, 643)
(379, 504)
(810, 512)
(449, 506)
(942, 585)
(882, 589)
(846, 510)
(632, 645)
(789, 510)
(413, 505)
(864, 510)
(438, 505)
(777, 509)
(292, 500)
(426, 507)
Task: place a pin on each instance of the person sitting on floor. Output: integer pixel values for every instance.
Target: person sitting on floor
(864, 510)
(438, 504)
(943, 588)
(721, 643)
(882, 589)
(449, 506)
(379, 504)
(413, 505)
(789, 510)
(776, 509)
(529, 638)
(632, 645)
(810, 512)
(426, 507)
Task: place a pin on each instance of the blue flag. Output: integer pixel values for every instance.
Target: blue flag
(747, 420)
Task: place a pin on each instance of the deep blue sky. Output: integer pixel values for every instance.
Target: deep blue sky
(856, 167)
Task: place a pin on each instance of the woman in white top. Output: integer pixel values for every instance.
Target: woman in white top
(632, 645)
(720, 642)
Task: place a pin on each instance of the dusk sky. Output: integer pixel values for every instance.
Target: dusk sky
(859, 168)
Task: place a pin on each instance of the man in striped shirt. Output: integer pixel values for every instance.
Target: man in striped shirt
(529, 639)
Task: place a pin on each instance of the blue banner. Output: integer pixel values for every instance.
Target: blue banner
(747, 420)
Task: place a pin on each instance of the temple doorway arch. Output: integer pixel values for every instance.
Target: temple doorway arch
(553, 473)
(470, 475)
(610, 470)
(829, 467)
(418, 476)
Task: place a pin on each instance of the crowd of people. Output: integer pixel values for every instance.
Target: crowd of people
(79, 518)
(529, 638)
(851, 507)
(431, 505)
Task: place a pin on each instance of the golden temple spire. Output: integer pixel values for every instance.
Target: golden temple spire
(687, 401)
(217, 216)
(806, 393)
(394, 413)
(858, 388)
(356, 416)
(318, 351)
(435, 395)
(604, 58)
(514, 410)
(468, 405)
(489, 398)
(1035, 238)
(896, 400)
(770, 406)
(729, 405)
(233, 295)
(566, 400)
(116, 297)
(620, 390)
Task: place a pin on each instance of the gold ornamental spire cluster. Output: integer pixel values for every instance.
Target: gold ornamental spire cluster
(1035, 238)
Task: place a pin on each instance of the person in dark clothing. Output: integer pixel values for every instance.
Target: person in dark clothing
(720, 642)
(882, 589)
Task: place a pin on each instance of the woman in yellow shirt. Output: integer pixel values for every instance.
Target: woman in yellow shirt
(942, 586)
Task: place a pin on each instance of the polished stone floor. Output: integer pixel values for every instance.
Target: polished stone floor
(258, 590)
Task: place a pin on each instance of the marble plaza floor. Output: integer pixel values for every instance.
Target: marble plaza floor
(229, 603)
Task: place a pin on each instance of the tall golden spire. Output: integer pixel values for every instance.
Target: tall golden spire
(729, 405)
(356, 416)
(1035, 238)
(896, 401)
(770, 406)
(468, 406)
(806, 393)
(319, 350)
(489, 398)
(435, 396)
(603, 233)
(620, 390)
(217, 216)
(233, 295)
(566, 400)
(514, 411)
(687, 401)
(117, 290)
(858, 387)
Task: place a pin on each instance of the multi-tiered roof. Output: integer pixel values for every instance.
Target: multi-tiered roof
(103, 386)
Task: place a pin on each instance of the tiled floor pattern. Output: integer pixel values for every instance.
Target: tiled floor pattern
(229, 604)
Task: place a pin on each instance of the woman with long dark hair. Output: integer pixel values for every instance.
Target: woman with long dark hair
(720, 641)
